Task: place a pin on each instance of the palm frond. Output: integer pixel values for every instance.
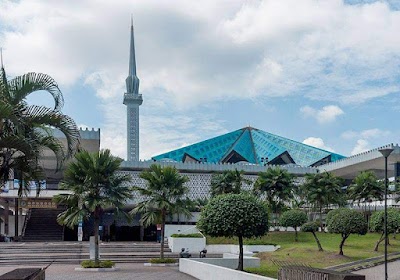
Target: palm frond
(23, 85)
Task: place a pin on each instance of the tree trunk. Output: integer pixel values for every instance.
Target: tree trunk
(318, 243)
(240, 265)
(320, 218)
(162, 233)
(295, 236)
(96, 237)
(379, 242)
(344, 237)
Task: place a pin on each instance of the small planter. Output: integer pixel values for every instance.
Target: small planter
(161, 264)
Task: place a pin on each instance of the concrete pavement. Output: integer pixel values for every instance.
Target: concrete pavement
(126, 271)
(378, 272)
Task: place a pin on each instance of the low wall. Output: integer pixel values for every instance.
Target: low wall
(193, 245)
(206, 271)
(234, 249)
(184, 229)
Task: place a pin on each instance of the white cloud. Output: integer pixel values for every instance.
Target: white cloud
(365, 134)
(325, 115)
(318, 143)
(195, 53)
(214, 50)
(361, 146)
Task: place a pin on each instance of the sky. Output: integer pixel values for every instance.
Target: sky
(325, 73)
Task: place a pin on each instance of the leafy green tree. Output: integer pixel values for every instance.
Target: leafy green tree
(165, 194)
(293, 218)
(313, 228)
(277, 185)
(323, 189)
(345, 222)
(229, 181)
(240, 215)
(366, 188)
(24, 129)
(95, 184)
(377, 223)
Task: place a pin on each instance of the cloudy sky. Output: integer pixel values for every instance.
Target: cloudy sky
(326, 73)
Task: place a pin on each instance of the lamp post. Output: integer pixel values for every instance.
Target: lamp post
(386, 152)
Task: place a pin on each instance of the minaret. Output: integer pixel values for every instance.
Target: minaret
(132, 99)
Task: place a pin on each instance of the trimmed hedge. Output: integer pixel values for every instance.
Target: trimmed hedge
(166, 260)
(101, 264)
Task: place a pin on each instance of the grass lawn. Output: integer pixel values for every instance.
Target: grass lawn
(306, 251)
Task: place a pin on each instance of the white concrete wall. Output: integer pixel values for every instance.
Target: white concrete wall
(205, 271)
(193, 245)
(181, 229)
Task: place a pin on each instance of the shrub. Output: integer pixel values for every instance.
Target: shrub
(189, 235)
(377, 223)
(229, 215)
(100, 264)
(313, 228)
(347, 221)
(293, 218)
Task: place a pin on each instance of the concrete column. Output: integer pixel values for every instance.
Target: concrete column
(6, 216)
(141, 232)
(16, 218)
(396, 169)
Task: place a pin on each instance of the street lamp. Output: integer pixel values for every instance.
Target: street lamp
(386, 152)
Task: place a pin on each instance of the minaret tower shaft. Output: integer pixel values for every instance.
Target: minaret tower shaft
(132, 99)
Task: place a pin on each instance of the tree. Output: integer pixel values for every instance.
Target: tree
(277, 185)
(165, 194)
(95, 184)
(240, 215)
(313, 228)
(293, 218)
(345, 222)
(323, 189)
(24, 129)
(365, 188)
(377, 223)
(229, 181)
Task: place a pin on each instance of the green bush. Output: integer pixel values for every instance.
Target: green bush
(293, 218)
(347, 221)
(230, 215)
(377, 223)
(310, 227)
(165, 260)
(189, 235)
(101, 264)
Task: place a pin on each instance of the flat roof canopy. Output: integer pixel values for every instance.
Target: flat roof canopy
(372, 160)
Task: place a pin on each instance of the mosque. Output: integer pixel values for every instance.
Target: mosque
(248, 149)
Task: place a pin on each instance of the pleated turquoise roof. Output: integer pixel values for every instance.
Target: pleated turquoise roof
(253, 146)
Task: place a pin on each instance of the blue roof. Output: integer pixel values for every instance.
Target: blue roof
(251, 145)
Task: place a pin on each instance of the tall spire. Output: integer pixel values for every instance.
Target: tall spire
(132, 60)
(132, 100)
(1, 58)
(132, 81)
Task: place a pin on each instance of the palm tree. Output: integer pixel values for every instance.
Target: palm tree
(277, 185)
(24, 129)
(94, 184)
(323, 189)
(365, 188)
(229, 181)
(165, 194)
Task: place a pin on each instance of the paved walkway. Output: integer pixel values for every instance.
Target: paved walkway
(126, 271)
(378, 272)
